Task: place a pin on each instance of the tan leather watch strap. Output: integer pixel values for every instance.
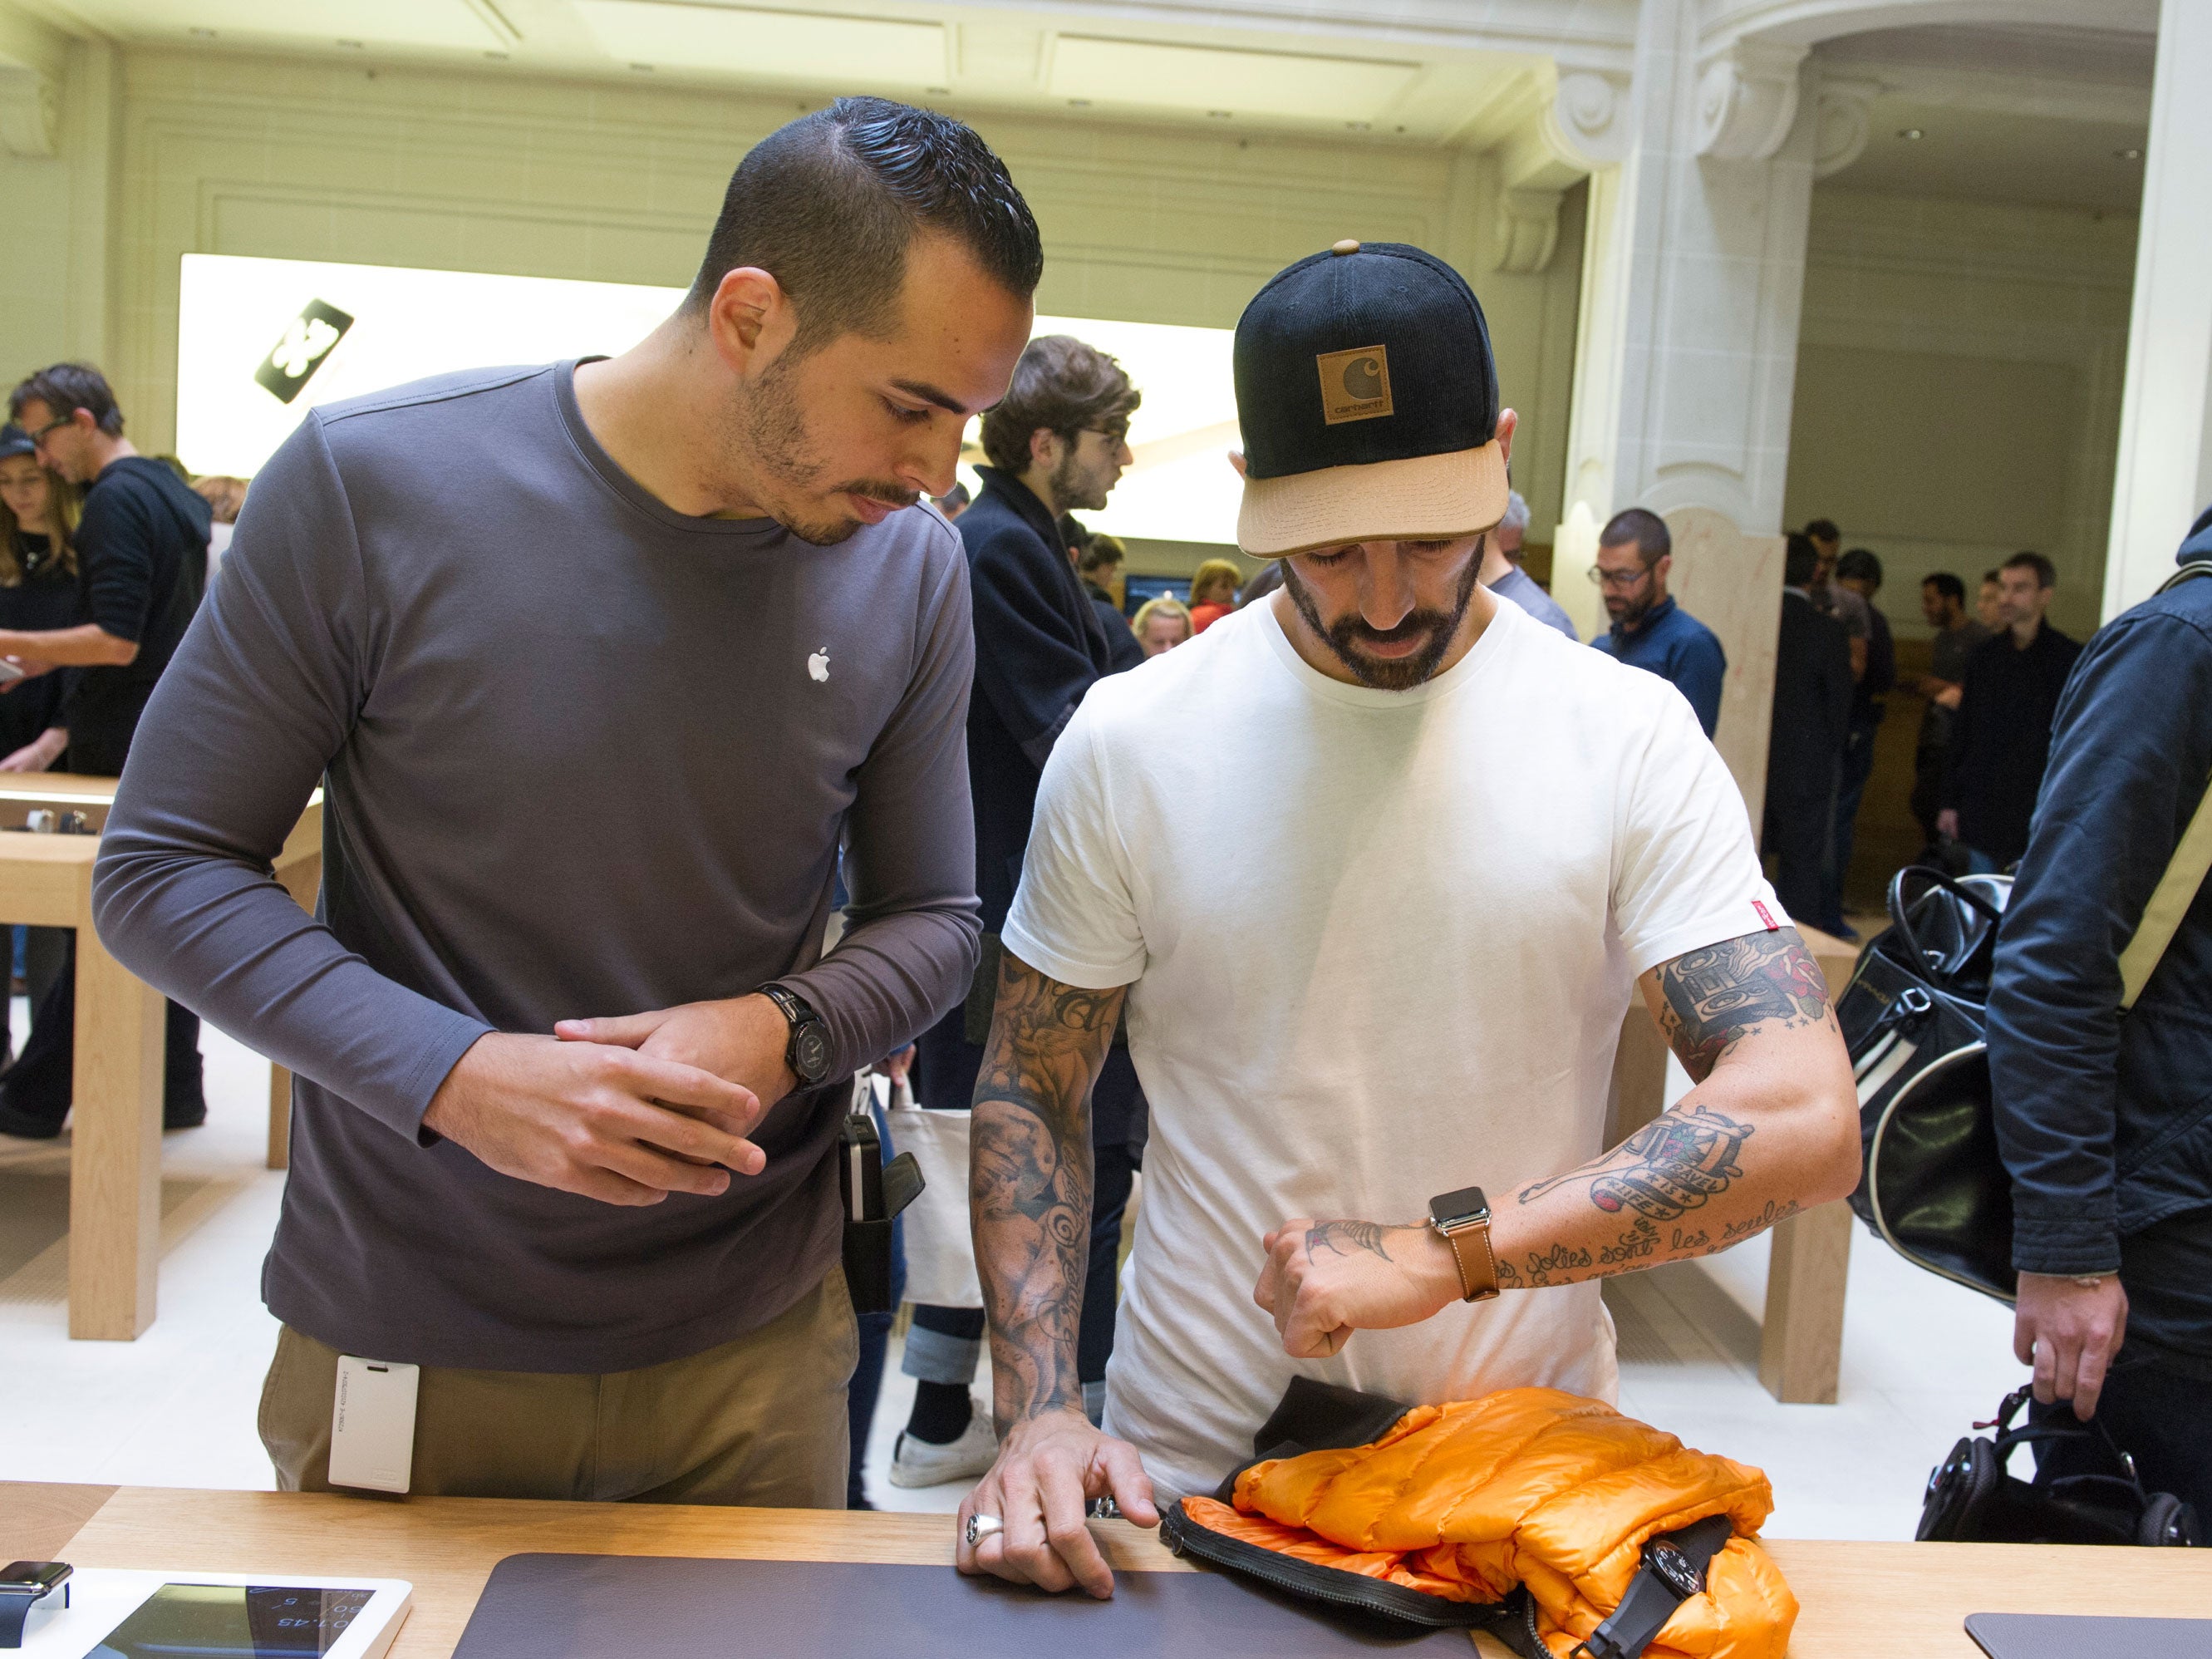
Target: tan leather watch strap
(1477, 1268)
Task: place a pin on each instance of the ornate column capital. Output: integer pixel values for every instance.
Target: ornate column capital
(1585, 125)
(1845, 117)
(1746, 100)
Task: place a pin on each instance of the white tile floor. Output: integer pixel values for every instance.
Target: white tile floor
(1922, 1358)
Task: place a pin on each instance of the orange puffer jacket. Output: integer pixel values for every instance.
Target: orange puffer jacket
(1529, 1487)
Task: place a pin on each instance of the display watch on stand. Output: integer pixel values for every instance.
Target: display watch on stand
(23, 1584)
(807, 1052)
(1463, 1218)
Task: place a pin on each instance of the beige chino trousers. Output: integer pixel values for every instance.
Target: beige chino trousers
(759, 1421)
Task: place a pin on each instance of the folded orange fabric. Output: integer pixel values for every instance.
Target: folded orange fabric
(1528, 1486)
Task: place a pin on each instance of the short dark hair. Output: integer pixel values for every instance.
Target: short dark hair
(2046, 573)
(1101, 552)
(1860, 565)
(64, 389)
(1060, 385)
(1646, 529)
(826, 205)
(1800, 559)
(1946, 585)
(1988, 575)
(1823, 530)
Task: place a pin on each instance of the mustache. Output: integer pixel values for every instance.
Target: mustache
(891, 494)
(1417, 624)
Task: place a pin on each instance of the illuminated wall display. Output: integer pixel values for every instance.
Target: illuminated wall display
(260, 342)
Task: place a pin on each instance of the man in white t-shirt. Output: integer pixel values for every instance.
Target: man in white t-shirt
(1376, 934)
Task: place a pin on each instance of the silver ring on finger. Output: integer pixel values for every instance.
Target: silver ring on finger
(981, 1527)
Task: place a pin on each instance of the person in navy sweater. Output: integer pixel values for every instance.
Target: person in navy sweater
(1650, 630)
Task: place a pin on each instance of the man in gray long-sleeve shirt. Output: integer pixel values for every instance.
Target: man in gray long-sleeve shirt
(601, 662)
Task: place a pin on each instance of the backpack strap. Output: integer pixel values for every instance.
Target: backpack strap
(1674, 1570)
(2177, 888)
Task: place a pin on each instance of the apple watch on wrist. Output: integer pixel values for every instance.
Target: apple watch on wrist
(1463, 1218)
(807, 1052)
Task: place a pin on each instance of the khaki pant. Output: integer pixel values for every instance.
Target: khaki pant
(757, 1421)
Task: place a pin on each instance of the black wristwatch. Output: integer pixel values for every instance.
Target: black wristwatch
(807, 1053)
(23, 1584)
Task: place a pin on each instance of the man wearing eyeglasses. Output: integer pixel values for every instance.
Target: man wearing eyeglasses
(1057, 442)
(1650, 630)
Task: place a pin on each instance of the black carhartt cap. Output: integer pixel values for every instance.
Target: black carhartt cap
(1368, 398)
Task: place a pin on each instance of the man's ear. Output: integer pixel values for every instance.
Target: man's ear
(1661, 565)
(1046, 448)
(750, 320)
(1508, 421)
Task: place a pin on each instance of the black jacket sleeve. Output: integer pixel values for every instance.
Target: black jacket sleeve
(1033, 661)
(2130, 753)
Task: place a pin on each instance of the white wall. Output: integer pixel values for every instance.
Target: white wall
(1959, 378)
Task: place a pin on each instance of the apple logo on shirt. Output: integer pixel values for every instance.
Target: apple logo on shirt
(817, 666)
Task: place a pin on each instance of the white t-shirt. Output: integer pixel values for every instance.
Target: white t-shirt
(1380, 945)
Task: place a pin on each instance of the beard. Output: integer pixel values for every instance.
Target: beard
(1075, 487)
(1630, 610)
(1348, 634)
(770, 432)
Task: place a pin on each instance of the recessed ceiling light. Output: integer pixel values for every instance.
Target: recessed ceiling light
(1911, 132)
(1078, 103)
(937, 92)
(1217, 115)
(1359, 126)
(353, 45)
(204, 34)
(642, 69)
(2130, 154)
(496, 56)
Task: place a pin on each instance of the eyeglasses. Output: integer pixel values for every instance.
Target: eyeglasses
(1621, 578)
(55, 425)
(1116, 433)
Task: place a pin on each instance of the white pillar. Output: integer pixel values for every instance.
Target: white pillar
(2164, 477)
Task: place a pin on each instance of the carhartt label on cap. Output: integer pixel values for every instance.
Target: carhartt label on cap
(1355, 385)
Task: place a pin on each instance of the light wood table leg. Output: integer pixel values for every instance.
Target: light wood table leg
(1800, 1342)
(280, 1116)
(115, 1153)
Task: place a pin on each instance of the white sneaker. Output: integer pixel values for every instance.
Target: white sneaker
(918, 1462)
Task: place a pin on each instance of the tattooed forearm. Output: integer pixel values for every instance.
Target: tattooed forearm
(1343, 1237)
(1671, 1165)
(1714, 996)
(1029, 1181)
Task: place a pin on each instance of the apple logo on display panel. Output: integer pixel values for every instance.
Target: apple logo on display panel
(817, 666)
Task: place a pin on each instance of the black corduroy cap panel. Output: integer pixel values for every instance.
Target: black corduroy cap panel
(1348, 359)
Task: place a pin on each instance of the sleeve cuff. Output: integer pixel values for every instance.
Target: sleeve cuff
(1083, 975)
(2065, 1243)
(439, 1055)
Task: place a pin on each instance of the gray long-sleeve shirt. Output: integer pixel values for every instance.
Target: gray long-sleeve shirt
(584, 755)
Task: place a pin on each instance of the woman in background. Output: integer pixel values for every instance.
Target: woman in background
(1212, 592)
(1162, 624)
(38, 590)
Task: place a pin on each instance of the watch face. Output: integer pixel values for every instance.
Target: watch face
(1464, 1204)
(812, 1050)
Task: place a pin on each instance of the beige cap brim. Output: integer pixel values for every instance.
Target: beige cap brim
(1425, 498)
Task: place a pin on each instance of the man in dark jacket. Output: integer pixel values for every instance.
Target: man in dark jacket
(2103, 1117)
(1098, 560)
(141, 565)
(1058, 440)
(2002, 737)
(1857, 572)
(1805, 745)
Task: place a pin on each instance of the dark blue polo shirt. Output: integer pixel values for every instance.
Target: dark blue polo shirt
(1675, 646)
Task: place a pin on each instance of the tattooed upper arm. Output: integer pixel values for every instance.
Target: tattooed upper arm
(1713, 997)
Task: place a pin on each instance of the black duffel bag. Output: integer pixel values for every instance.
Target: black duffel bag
(1933, 1184)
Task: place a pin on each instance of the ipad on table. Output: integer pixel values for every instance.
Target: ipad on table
(117, 1614)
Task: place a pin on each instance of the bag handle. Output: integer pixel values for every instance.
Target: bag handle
(1899, 911)
(2184, 874)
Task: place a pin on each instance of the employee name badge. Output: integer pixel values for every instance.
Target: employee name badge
(372, 1424)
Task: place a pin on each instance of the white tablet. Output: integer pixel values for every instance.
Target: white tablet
(117, 1614)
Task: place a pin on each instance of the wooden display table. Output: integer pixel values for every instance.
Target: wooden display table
(1857, 1599)
(1801, 1341)
(115, 1147)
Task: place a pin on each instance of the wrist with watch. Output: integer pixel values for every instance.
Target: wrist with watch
(806, 1051)
(1463, 1219)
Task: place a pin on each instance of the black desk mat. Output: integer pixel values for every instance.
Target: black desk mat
(649, 1606)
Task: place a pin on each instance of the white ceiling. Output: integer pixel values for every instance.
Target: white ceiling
(1050, 58)
(2042, 116)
